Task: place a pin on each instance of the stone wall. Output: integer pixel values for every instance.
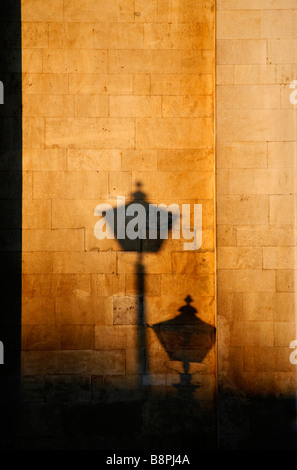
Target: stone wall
(256, 155)
(118, 99)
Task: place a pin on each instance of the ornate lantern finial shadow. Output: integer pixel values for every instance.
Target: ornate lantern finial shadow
(187, 340)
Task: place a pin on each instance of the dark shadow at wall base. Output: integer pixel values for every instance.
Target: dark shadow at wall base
(257, 423)
(10, 214)
(155, 422)
(160, 419)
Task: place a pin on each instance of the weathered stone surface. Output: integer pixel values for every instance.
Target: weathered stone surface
(116, 95)
(126, 310)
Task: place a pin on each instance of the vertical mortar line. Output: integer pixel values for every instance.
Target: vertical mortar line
(217, 413)
(259, 25)
(51, 203)
(294, 229)
(108, 179)
(48, 33)
(74, 101)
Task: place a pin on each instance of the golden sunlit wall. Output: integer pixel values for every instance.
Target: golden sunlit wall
(256, 157)
(115, 93)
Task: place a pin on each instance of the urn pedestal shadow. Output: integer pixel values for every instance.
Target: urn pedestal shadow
(187, 340)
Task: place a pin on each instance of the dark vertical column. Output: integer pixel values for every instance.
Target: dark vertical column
(142, 351)
(10, 218)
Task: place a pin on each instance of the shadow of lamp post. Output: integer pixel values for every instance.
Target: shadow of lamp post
(141, 233)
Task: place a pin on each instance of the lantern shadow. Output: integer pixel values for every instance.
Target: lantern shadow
(187, 340)
(150, 239)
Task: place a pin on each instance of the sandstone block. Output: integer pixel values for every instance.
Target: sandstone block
(154, 263)
(242, 210)
(44, 159)
(84, 263)
(144, 61)
(118, 36)
(139, 160)
(45, 83)
(53, 240)
(77, 337)
(32, 60)
(256, 74)
(34, 131)
(73, 61)
(193, 263)
(35, 10)
(70, 185)
(172, 84)
(225, 74)
(34, 35)
(83, 310)
(38, 310)
(241, 51)
(247, 280)
(281, 210)
(36, 214)
(279, 257)
(135, 106)
(91, 133)
(40, 337)
(177, 133)
(71, 36)
(186, 106)
(286, 280)
(108, 284)
(91, 106)
(37, 263)
(239, 258)
(238, 24)
(252, 334)
(100, 84)
(48, 105)
(248, 97)
(272, 125)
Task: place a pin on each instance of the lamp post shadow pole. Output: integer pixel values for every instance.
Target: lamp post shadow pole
(142, 369)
